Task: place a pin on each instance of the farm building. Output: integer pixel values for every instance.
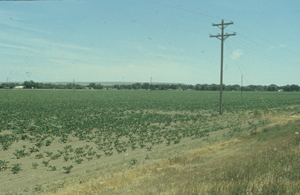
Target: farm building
(19, 87)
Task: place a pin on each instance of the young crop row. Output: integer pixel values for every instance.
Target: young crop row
(112, 121)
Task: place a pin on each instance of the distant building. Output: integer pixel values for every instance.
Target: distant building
(280, 90)
(19, 87)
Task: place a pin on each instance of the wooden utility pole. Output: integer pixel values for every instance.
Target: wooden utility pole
(222, 37)
(150, 84)
(242, 84)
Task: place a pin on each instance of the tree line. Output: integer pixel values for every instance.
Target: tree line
(148, 86)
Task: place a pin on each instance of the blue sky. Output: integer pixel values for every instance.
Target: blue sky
(134, 40)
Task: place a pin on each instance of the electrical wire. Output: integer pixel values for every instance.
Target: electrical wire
(239, 64)
(264, 40)
(182, 9)
(251, 46)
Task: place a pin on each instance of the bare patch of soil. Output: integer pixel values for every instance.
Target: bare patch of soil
(29, 180)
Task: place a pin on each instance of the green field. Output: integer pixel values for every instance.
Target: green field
(58, 130)
(147, 118)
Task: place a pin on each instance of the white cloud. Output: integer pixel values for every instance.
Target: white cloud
(14, 46)
(236, 54)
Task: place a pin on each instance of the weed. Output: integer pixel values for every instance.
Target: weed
(66, 158)
(108, 153)
(262, 138)
(68, 169)
(79, 161)
(60, 152)
(46, 163)
(53, 168)
(56, 156)
(147, 157)
(177, 141)
(38, 188)
(48, 153)
(3, 165)
(297, 138)
(33, 149)
(35, 165)
(48, 142)
(5, 146)
(133, 161)
(20, 153)
(256, 113)
(15, 168)
(39, 156)
(39, 144)
(149, 148)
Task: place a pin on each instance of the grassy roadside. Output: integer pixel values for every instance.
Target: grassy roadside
(242, 161)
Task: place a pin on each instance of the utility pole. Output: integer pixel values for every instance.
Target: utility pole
(222, 37)
(242, 84)
(73, 84)
(150, 83)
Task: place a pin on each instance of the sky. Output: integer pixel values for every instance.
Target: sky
(136, 40)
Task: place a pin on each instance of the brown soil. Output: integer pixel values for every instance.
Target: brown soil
(29, 180)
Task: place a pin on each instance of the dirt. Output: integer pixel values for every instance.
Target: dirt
(29, 179)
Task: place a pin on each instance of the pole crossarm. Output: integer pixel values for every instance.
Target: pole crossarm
(226, 35)
(222, 24)
(222, 37)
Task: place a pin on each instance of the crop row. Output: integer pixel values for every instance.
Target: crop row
(114, 121)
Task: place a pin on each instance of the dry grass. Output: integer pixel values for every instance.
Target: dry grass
(267, 162)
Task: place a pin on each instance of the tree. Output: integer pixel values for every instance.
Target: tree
(286, 88)
(129, 87)
(260, 88)
(162, 87)
(135, 86)
(117, 87)
(152, 87)
(77, 86)
(69, 86)
(252, 87)
(145, 86)
(92, 85)
(214, 87)
(190, 87)
(235, 87)
(294, 87)
(204, 87)
(30, 84)
(272, 87)
(174, 87)
(198, 87)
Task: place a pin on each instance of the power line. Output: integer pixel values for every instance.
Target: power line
(257, 51)
(169, 13)
(263, 39)
(182, 9)
(127, 16)
(239, 64)
(270, 51)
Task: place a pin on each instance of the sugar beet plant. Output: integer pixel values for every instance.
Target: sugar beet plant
(15, 168)
(116, 121)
